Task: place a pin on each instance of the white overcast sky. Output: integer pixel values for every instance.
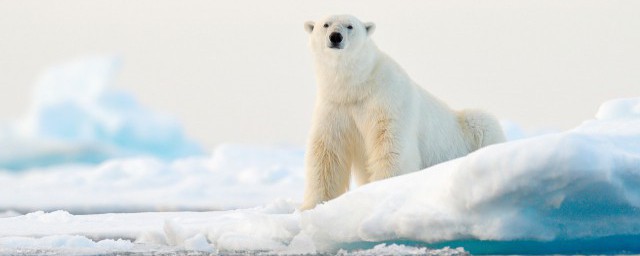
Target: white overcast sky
(241, 72)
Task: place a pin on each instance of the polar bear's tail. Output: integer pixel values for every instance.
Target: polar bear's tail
(480, 129)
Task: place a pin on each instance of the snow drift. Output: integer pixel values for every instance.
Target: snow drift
(78, 116)
(571, 192)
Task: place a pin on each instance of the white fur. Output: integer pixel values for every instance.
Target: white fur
(372, 121)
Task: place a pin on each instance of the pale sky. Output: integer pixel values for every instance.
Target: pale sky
(241, 72)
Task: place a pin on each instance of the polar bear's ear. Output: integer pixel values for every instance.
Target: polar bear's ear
(308, 26)
(370, 27)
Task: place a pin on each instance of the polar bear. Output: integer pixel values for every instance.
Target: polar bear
(371, 120)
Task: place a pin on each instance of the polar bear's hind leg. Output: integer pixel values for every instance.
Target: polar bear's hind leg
(480, 129)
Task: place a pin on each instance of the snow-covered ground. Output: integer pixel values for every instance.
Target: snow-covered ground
(273, 229)
(567, 192)
(570, 192)
(234, 176)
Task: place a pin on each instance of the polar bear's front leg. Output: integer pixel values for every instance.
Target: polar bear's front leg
(384, 149)
(327, 167)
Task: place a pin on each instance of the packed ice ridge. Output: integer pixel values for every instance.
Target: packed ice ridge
(78, 116)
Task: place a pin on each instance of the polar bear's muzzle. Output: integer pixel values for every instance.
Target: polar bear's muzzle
(336, 40)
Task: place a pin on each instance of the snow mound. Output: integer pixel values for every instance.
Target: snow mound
(566, 186)
(619, 108)
(78, 116)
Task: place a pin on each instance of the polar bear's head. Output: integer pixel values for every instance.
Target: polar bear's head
(338, 34)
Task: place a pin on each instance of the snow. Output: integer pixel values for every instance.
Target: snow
(572, 192)
(619, 108)
(63, 242)
(394, 249)
(77, 115)
(268, 229)
(234, 176)
(557, 187)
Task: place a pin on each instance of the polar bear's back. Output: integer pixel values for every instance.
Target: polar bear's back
(432, 131)
(441, 137)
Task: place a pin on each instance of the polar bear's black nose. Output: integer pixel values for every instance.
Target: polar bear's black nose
(335, 37)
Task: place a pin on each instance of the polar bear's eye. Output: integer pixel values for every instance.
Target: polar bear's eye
(326, 25)
(350, 27)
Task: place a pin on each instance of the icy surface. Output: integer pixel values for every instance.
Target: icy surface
(63, 242)
(268, 229)
(264, 228)
(394, 249)
(234, 176)
(571, 192)
(78, 116)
